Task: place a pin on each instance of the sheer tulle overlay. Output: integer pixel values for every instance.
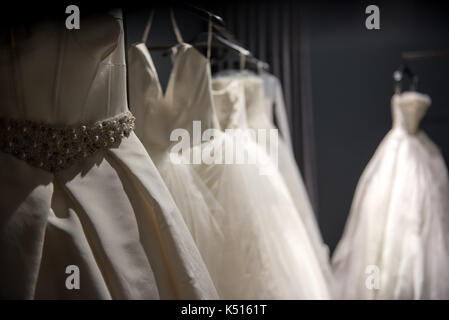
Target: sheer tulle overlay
(396, 242)
(157, 116)
(261, 255)
(268, 254)
(269, 251)
(256, 118)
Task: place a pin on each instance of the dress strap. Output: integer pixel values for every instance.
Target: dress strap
(209, 37)
(242, 61)
(259, 67)
(148, 27)
(146, 32)
(175, 27)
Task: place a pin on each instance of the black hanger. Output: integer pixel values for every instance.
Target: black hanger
(222, 38)
(404, 71)
(422, 55)
(220, 42)
(200, 40)
(204, 14)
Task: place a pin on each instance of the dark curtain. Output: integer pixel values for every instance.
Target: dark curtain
(276, 32)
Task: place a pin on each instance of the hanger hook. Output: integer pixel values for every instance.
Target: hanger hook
(242, 61)
(397, 77)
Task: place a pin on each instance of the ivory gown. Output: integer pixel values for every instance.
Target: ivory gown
(157, 115)
(257, 108)
(399, 218)
(109, 213)
(270, 253)
(262, 256)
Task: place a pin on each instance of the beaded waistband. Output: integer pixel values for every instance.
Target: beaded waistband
(54, 148)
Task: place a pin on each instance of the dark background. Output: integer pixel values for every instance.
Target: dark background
(350, 81)
(352, 85)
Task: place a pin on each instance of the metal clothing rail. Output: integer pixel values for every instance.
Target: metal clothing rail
(204, 14)
(421, 55)
(221, 35)
(405, 70)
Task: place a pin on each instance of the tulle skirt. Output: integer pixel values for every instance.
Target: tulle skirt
(396, 241)
(202, 213)
(268, 252)
(292, 177)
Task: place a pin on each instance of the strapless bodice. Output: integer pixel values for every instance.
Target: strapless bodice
(58, 76)
(229, 99)
(408, 109)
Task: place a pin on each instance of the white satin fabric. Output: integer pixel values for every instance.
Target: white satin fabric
(269, 252)
(158, 114)
(397, 233)
(255, 103)
(110, 215)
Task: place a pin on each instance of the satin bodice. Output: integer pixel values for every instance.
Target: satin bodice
(256, 103)
(187, 98)
(270, 87)
(59, 76)
(229, 99)
(408, 109)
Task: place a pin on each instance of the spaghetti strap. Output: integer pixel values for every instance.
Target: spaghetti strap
(147, 27)
(242, 61)
(146, 32)
(209, 37)
(175, 27)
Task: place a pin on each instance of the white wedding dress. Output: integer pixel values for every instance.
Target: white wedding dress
(257, 109)
(269, 254)
(157, 115)
(260, 258)
(78, 188)
(396, 240)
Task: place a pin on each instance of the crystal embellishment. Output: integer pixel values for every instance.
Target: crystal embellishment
(54, 148)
